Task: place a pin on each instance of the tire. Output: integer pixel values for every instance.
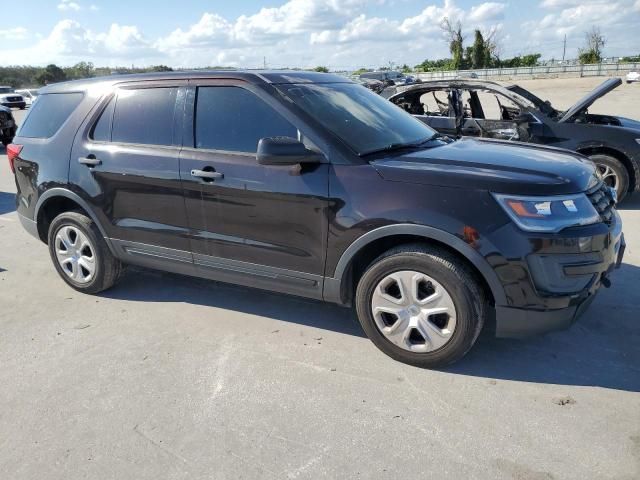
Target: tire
(444, 270)
(96, 256)
(613, 166)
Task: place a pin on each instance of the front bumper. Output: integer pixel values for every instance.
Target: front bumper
(14, 104)
(570, 281)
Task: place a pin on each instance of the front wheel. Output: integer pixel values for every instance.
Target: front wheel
(80, 254)
(613, 173)
(421, 305)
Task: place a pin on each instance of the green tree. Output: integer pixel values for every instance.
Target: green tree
(160, 68)
(478, 51)
(51, 74)
(592, 53)
(321, 69)
(455, 38)
(80, 70)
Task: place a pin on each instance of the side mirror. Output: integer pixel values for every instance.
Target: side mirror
(285, 151)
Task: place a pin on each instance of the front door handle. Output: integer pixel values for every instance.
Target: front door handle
(90, 160)
(207, 175)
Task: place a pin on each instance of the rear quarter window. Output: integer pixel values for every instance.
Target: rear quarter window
(48, 114)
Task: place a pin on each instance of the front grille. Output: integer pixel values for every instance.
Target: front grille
(14, 99)
(603, 201)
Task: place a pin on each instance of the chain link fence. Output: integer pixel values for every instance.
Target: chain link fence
(549, 71)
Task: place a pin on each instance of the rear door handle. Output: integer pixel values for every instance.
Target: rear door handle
(90, 160)
(207, 175)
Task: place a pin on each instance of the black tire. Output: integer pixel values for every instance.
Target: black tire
(602, 161)
(6, 141)
(108, 268)
(460, 282)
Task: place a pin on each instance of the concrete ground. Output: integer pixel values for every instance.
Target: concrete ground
(177, 378)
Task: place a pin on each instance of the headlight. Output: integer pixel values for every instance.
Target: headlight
(548, 214)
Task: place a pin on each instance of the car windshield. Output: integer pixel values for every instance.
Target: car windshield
(6, 90)
(363, 120)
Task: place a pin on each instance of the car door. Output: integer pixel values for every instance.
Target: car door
(252, 224)
(437, 110)
(484, 117)
(126, 164)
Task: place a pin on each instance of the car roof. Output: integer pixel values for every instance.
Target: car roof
(253, 76)
(472, 83)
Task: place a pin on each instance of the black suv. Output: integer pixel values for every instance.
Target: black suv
(312, 185)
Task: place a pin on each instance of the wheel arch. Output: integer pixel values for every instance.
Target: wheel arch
(339, 286)
(58, 200)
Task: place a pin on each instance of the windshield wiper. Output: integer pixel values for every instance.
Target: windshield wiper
(393, 147)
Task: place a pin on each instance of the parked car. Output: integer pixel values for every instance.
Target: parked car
(8, 98)
(7, 126)
(29, 95)
(633, 77)
(389, 77)
(308, 184)
(509, 112)
(374, 85)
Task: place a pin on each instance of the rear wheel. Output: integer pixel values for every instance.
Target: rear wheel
(421, 305)
(80, 254)
(613, 173)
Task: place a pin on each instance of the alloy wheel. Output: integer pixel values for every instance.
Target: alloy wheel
(609, 176)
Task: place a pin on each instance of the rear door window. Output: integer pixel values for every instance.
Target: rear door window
(144, 116)
(48, 114)
(235, 119)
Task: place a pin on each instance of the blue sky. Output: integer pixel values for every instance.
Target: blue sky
(301, 33)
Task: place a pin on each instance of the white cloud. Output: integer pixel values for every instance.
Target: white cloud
(17, 33)
(65, 5)
(337, 33)
(487, 12)
(210, 30)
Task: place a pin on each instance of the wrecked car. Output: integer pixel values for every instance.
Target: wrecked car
(480, 108)
(7, 126)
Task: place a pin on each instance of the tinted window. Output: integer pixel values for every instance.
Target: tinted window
(102, 129)
(234, 119)
(48, 114)
(144, 116)
(363, 120)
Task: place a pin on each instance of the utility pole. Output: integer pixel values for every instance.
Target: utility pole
(564, 48)
(264, 62)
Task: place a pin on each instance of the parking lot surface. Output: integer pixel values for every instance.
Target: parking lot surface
(178, 378)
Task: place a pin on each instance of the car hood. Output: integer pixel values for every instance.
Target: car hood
(586, 101)
(5, 109)
(496, 166)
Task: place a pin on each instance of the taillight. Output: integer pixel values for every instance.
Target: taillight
(13, 151)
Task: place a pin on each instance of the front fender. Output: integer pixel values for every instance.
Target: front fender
(333, 286)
